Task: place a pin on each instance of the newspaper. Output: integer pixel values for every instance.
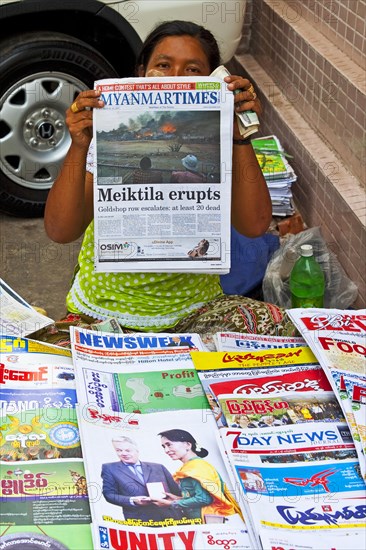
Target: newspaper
(290, 453)
(239, 341)
(162, 191)
(337, 338)
(111, 506)
(17, 317)
(277, 172)
(356, 393)
(301, 483)
(125, 507)
(279, 412)
(258, 373)
(42, 479)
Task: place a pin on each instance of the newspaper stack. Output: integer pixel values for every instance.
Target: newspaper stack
(289, 448)
(278, 173)
(337, 338)
(44, 496)
(133, 391)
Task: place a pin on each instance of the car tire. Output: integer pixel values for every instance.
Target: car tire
(41, 74)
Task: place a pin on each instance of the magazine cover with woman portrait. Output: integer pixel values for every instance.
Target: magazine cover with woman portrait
(158, 481)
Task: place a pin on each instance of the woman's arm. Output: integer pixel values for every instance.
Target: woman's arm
(251, 207)
(69, 207)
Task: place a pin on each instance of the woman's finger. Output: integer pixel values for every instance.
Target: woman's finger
(89, 99)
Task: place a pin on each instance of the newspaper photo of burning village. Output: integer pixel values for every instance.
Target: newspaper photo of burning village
(158, 147)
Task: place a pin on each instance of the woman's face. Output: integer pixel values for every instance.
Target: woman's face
(243, 420)
(176, 450)
(178, 56)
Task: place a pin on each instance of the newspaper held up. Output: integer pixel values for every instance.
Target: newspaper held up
(162, 191)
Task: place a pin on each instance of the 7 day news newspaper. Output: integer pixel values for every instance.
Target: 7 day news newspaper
(289, 450)
(162, 188)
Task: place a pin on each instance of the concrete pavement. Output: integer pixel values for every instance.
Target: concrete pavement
(34, 266)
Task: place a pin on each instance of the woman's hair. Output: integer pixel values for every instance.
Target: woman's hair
(180, 28)
(182, 435)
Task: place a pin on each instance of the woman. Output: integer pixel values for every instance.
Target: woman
(203, 491)
(243, 421)
(179, 302)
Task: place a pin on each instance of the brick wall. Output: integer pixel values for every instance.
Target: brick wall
(313, 93)
(317, 80)
(342, 21)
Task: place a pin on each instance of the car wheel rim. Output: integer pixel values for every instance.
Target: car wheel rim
(34, 138)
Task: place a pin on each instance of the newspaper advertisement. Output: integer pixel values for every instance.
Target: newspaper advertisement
(302, 484)
(337, 338)
(42, 479)
(162, 191)
(17, 317)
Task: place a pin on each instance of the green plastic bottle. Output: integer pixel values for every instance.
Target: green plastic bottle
(307, 284)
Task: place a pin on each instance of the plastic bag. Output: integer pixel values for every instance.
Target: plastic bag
(340, 291)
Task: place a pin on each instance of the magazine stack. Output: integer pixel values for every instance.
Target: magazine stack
(337, 338)
(159, 478)
(289, 450)
(44, 494)
(278, 173)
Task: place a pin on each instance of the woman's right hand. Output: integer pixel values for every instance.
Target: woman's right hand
(79, 117)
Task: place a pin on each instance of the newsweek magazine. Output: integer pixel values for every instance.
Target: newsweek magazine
(162, 188)
(139, 372)
(337, 338)
(44, 499)
(302, 484)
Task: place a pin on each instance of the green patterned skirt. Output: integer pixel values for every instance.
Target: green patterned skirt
(223, 314)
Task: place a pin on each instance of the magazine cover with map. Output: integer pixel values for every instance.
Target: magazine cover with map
(140, 372)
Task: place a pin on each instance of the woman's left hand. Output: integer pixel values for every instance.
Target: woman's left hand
(245, 97)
